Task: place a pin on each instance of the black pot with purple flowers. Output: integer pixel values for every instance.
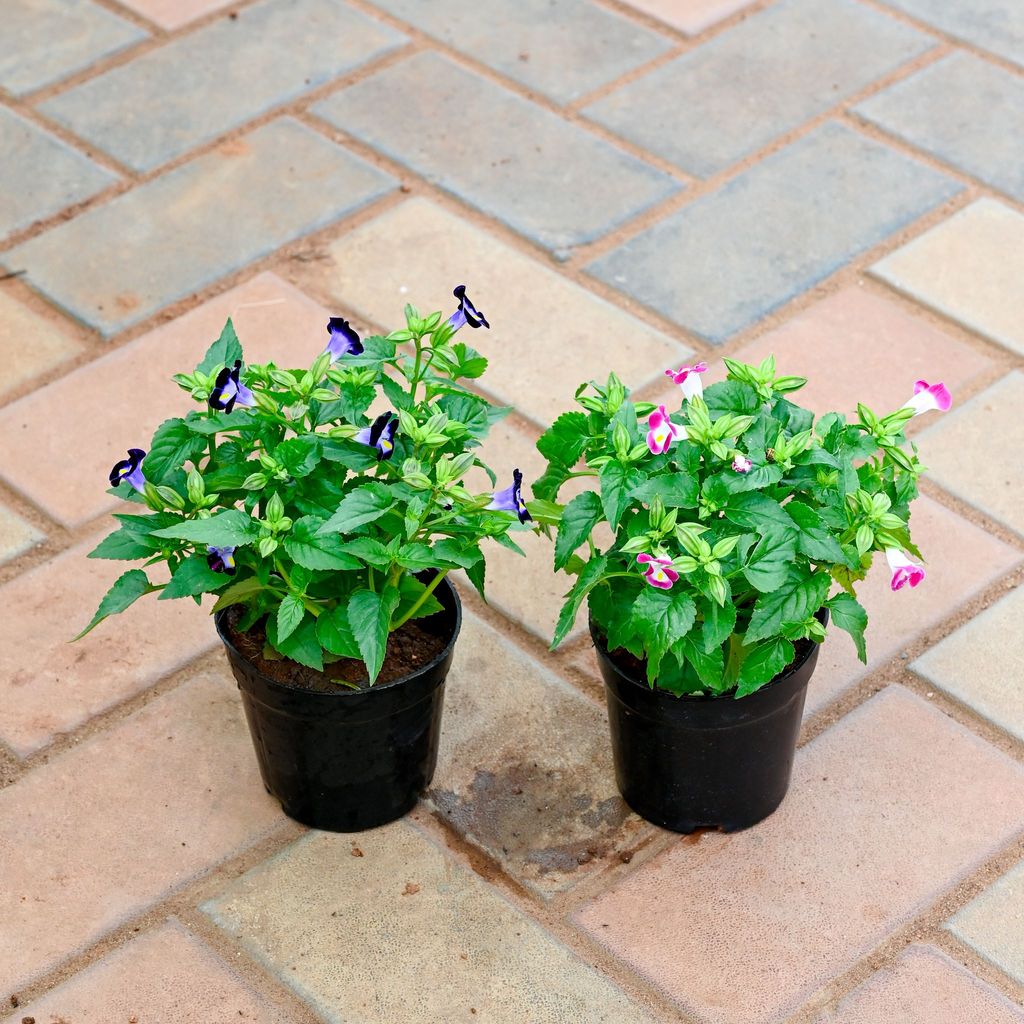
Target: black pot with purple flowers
(740, 526)
(324, 528)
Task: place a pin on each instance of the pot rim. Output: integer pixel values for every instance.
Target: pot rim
(703, 698)
(345, 691)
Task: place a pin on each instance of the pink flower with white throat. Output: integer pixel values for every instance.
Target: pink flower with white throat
(928, 397)
(662, 432)
(904, 571)
(741, 464)
(659, 572)
(688, 379)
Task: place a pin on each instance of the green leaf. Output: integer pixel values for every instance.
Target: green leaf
(235, 420)
(757, 479)
(794, 602)
(335, 634)
(351, 454)
(193, 576)
(369, 615)
(617, 484)
(661, 618)
(762, 664)
(719, 622)
(372, 552)
(172, 444)
(754, 511)
(709, 664)
(564, 441)
(301, 646)
(238, 593)
(231, 528)
(676, 490)
(298, 455)
(312, 550)
(848, 614)
(468, 410)
(457, 552)
(547, 485)
(590, 575)
(768, 564)
(127, 589)
(223, 352)
(123, 544)
(814, 539)
(363, 505)
(731, 396)
(290, 612)
(579, 517)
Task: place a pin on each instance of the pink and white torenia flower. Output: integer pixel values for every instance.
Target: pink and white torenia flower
(904, 571)
(688, 379)
(929, 396)
(741, 464)
(662, 432)
(659, 571)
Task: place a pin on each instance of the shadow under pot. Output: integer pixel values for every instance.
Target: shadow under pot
(344, 760)
(702, 761)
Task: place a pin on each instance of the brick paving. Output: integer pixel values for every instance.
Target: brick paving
(626, 184)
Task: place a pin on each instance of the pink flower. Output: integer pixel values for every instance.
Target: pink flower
(904, 571)
(659, 572)
(929, 396)
(742, 464)
(688, 379)
(663, 433)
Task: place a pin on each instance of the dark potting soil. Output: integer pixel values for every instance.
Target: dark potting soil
(410, 647)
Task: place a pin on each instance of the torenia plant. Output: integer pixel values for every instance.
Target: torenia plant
(284, 494)
(736, 520)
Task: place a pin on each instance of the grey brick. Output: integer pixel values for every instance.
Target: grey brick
(119, 263)
(206, 82)
(732, 256)
(993, 923)
(547, 179)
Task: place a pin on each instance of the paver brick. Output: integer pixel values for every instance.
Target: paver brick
(49, 685)
(108, 828)
(963, 110)
(732, 96)
(44, 41)
(729, 258)
(924, 986)
(172, 14)
(40, 175)
(562, 48)
(546, 178)
(690, 16)
(525, 767)
(964, 451)
(206, 82)
(85, 421)
(197, 223)
(29, 344)
(969, 268)
(888, 809)
(547, 334)
(16, 536)
(166, 976)
(995, 25)
(982, 663)
(992, 924)
(356, 937)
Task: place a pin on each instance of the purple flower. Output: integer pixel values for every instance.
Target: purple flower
(381, 435)
(129, 469)
(467, 313)
(659, 571)
(741, 464)
(344, 340)
(228, 391)
(511, 499)
(221, 559)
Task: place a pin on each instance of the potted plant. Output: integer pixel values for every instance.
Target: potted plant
(739, 527)
(325, 527)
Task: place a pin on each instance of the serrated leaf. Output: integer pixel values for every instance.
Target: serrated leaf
(848, 614)
(767, 566)
(719, 622)
(363, 505)
(312, 550)
(237, 419)
(239, 592)
(172, 444)
(617, 484)
(708, 664)
(193, 576)
(369, 615)
(351, 454)
(794, 602)
(731, 396)
(123, 544)
(590, 575)
(814, 540)
(371, 551)
(547, 485)
(564, 441)
(290, 612)
(579, 517)
(661, 618)
(762, 664)
(335, 634)
(127, 589)
(676, 490)
(298, 455)
(231, 528)
(223, 352)
(753, 511)
(301, 646)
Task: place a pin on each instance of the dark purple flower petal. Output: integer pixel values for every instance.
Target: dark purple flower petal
(344, 340)
(129, 469)
(510, 499)
(225, 389)
(380, 435)
(221, 559)
(467, 313)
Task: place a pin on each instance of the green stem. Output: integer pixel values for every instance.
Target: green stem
(421, 600)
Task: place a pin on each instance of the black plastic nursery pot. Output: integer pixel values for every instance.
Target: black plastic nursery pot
(349, 760)
(704, 761)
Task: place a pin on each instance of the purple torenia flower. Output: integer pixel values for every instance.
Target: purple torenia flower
(511, 499)
(228, 391)
(904, 571)
(129, 469)
(929, 396)
(688, 379)
(467, 313)
(741, 464)
(381, 435)
(221, 559)
(659, 571)
(663, 433)
(344, 340)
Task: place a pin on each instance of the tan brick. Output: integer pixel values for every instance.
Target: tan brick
(172, 14)
(525, 767)
(888, 809)
(166, 976)
(85, 421)
(547, 334)
(972, 451)
(48, 685)
(968, 267)
(404, 912)
(108, 828)
(924, 986)
(690, 16)
(16, 536)
(29, 345)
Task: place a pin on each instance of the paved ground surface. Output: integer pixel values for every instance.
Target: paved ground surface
(623, 183)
